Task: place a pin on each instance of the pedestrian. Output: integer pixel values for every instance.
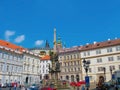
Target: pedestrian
(22, 88)
(0, 87)
(116, 88)
(83, 87)
(14, 86)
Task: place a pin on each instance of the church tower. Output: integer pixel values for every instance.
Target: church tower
(47, 46)
(55, 45)
(59, 43)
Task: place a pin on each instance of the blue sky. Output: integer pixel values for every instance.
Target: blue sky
(29, 23)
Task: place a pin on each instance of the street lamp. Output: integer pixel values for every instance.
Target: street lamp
(111, 72)
(104, 69)
(86, 67)
(10, 74)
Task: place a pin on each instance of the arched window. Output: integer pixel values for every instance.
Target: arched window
(77, 78)
(67, 77)
(72, 78)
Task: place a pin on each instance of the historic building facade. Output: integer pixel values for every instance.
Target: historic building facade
(11, 63)
(70, 64)
(45, 62)
(42, 51)
(104, 59)
(31, 67)
(17, 64)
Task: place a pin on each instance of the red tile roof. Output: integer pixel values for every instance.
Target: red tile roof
(108, 43)
(10, 45)
(46, 57)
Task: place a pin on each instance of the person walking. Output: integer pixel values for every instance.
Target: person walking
(83, 87)
(0, 87)
(22, 88)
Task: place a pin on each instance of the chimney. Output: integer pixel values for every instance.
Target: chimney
(94, 42)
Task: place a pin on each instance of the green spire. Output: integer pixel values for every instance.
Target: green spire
(59, 40)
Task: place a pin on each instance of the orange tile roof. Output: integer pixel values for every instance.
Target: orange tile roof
(47, 57)
(10, 45)
(108, 43)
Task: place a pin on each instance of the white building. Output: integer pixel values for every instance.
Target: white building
(10, 65)
(17, 64)
(101, 55)
(44, 67)
(31, 70)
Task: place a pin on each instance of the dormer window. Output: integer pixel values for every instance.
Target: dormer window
(109, 42)
(98, 44)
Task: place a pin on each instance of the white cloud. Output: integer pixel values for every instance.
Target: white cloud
(9, 33)
(39, 42)
(20, 38)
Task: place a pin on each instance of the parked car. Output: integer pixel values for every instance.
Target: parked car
(34, 87)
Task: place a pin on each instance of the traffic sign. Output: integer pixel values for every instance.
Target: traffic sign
(113, 76)
(87, 81)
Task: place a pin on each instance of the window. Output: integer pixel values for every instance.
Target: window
(112, 67)
(98, 51)
(109, 50)
(78, 69)
(88, 53)
(75, 69)
(68, 57)
(64, 57)
(118, 57)
(4, 55)
(118, 48)
(71, 56)
(99, 60)
(74, 56)
(1, 67)
(1, 54)
(68, 70)
(65, 64)
(74, 62)
(24, 68)
(119, 67)
(84, 53)
(78, 56)
(65, 70)
(46, 71)
(90, 70)
(33, 61)
(7, 68)
(71, 69)
(110, 59)
(91, 78)
(100, 69)
(78, 63)
(60, 58)
(68, 63)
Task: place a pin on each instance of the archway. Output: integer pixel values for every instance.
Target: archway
(72, 78)
(77, 78)
(67, 77)
(26, 79)
(61, 77)
(46, 77)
